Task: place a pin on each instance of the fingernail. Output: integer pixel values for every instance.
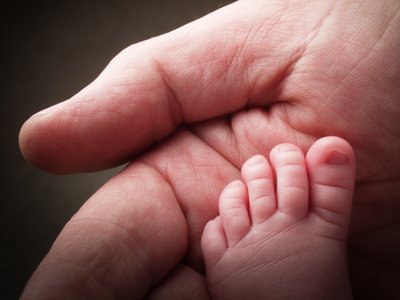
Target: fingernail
(336, 158)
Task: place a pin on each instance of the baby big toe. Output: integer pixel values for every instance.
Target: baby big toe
(331, 167)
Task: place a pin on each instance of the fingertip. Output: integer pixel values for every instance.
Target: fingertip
(22, 139)
(29, 140)
(42, 144)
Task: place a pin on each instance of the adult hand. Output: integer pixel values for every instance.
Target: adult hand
(235, 83)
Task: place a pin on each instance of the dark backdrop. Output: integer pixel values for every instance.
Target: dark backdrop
(49, 51)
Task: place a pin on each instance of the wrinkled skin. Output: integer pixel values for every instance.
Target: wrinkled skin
(214, 93)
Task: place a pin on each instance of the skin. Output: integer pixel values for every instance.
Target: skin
(214, 93)
(281, 232)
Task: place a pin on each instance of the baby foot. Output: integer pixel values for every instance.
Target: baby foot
(282, 233)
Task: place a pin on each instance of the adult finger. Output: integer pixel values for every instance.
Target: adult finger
(115, 246)
(182, 284)
(230, 59)
(138, 227)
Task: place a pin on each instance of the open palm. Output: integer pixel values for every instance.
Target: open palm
(233, 84)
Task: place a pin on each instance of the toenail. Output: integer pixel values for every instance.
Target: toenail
(336, 158)
(255, 160)
(235, 183)
(287, 148)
